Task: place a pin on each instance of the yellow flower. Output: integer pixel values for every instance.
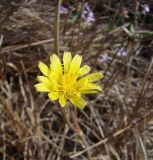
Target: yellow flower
(66, 81)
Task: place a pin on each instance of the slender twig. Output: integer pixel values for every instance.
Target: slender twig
(141, 90)
(103, 141)
(57, 21)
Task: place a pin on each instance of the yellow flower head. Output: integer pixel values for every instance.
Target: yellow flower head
(67, 81)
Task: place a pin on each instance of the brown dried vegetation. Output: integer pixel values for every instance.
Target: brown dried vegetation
(115, 123)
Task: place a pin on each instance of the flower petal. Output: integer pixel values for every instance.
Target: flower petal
(43, 79)
(87, 79)
(55, 65)
(78, 102)
(53, 77)
(94, 77)
(53, 96)
(41, 87)
(83, 70)
(92, 86)
(88, 91)
(43, 68)
(82, 83)
(75, 64)
(50, 82)
(62, 100)
(67, 60)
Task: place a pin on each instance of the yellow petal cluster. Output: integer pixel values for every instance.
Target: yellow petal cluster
(67, 81)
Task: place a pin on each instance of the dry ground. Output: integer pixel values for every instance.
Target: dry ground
(117, 123)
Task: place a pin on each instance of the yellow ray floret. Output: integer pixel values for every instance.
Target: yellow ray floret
(67, 80)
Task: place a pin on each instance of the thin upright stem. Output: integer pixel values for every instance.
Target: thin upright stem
(57, 28)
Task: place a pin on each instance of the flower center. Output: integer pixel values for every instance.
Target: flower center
(68, 81)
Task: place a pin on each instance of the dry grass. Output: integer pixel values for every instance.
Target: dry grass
(115, 123)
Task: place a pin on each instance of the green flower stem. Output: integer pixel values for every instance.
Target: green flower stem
(57, 27)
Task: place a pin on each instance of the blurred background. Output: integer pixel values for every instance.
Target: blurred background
(115, 38)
